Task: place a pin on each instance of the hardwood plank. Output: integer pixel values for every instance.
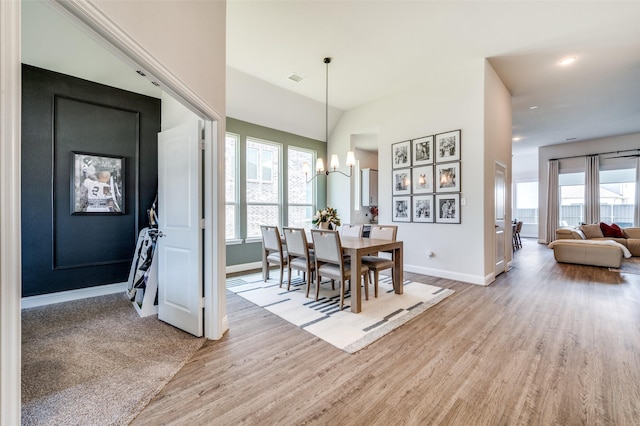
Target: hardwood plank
(547, 343)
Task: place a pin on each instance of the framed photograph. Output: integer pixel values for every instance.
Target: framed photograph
(422, 180)
(422, 151)
(401, 209)
(401, 154)
(447, 177)
(401, 182)
(447, 208)
(447, 146)
(97, 184)
(422, 208)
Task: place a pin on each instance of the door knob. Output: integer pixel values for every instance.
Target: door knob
(160, 234)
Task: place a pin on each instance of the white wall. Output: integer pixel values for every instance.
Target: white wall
(454, 101)
(593, 146)
(175, 114)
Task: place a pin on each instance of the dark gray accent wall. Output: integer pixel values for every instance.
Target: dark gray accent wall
(239, 254)
(60, 115)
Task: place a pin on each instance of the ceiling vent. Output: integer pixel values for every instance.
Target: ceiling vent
(295, 77)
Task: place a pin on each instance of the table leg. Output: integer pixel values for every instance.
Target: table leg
(356, 289)
(398, 272)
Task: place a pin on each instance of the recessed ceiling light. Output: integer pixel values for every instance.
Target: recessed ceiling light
(295, 77)
(533, 107)
(567, 61)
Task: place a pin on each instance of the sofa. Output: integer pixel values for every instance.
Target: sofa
(628, 237)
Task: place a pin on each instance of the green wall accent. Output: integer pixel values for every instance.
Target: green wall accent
(238, 254)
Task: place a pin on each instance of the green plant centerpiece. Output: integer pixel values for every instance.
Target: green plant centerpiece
(326, 218)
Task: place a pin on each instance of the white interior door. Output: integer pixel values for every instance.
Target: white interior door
(500, 197)
(180, 277)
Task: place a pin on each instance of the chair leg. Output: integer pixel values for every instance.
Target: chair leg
(376, 277)
(366, 285)
(342, 290)
(317, 286)
(282, 275)
(289, 281)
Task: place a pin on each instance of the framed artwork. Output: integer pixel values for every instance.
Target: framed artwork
(422, 180)
(401, 181)
(422, 151)
(447, 208)
(401, 209)
(447, 177)
(97, 184)
(401, 154)
(422, 208)
(447, 146)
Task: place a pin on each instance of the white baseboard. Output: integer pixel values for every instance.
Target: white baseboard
(66, 296)
(471, 279)
(232, 269)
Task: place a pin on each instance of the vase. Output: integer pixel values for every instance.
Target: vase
(323, 225)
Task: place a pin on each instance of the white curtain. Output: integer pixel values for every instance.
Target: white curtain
(636, 211)
(553, 216)
(592, 189)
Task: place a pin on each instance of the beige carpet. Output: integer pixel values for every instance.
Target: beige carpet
(95, 361)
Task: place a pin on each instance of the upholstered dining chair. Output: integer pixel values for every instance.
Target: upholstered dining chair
(300, 257)
(376, 263)
(272, 245)
(331, 264)
(350, 230)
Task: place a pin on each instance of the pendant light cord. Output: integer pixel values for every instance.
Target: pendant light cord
(326, 103)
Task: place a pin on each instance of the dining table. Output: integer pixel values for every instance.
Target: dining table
(359, 247)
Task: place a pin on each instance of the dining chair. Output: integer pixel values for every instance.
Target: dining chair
(300, 257)
(377, 263)
(272, 245)
(350, 230)
(330, 262)
(517, 242)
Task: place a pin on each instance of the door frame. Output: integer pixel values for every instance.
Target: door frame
(506, 232)
(95, 23)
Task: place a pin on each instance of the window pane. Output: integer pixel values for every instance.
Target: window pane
(299, 192)
(261, 190)
(617, 196)
(571, 198)
(252, 164)
(266, 162)
(260, 215)
(300, 216)
(230, 169)
(527, 202)
(230, 226)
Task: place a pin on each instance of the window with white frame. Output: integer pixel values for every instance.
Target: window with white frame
(232, 209)
(618, 195)
(263, 185)
(572, 193)
(526, 202)
(300, 195)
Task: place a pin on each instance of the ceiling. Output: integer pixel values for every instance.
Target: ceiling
(382, 47)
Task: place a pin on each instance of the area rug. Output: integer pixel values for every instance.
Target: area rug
(324, 319)
(628, 266)
(95, 361)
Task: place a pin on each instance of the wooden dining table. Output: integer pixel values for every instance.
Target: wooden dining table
(358, 247)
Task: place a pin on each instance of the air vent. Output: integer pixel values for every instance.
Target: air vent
(155, 84)
(141, 73)
(296, 77)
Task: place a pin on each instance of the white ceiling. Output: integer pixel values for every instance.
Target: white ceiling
(381, 47)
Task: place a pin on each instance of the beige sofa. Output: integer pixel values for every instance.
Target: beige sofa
(631, 238)
(585, 252)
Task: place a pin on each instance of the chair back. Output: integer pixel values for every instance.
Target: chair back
(271, 238)
(296, 241)
(326, 246)
(518, 227)
(349, 230)
(383, 232)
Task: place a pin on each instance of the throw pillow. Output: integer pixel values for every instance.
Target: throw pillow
(619, 233)
(592, 231)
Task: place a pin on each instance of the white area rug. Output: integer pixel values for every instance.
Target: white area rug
(343, 329)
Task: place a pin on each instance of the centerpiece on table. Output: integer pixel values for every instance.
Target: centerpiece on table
(326, 219)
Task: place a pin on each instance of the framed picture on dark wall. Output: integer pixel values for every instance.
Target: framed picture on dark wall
(448, 177)
(422, 151)
(401, 154)
(401, 209)
(447, 208)
(422, 208)
(447, 146)
(97, 184)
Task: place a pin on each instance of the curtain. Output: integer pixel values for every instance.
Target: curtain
(553, 216)
(636, 210)
(592, 190)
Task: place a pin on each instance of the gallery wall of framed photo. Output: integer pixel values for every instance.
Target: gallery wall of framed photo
(426, 176)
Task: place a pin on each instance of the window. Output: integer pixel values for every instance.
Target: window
(571, 198)
(263, 185)
(526, 195)
(300, 195)
(618, 196)
(232, 216)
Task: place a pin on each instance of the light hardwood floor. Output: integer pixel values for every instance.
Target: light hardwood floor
(545, 344)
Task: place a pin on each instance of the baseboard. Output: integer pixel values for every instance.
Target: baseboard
(232, 269)
(471, 279)
(66, 296)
